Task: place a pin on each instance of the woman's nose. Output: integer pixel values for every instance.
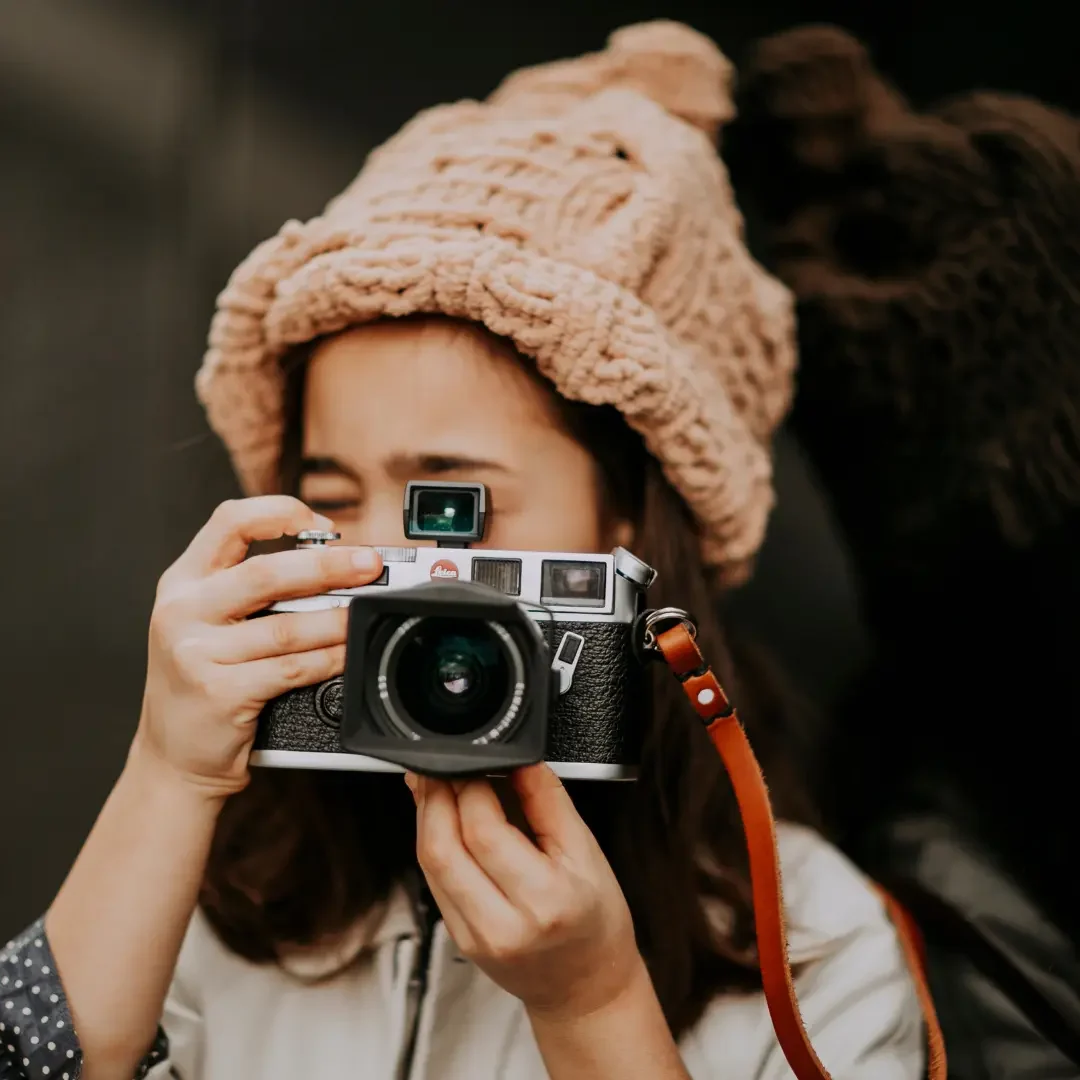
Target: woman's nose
(379, 523)
(375, 523)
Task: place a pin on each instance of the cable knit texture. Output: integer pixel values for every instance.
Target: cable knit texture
(935, 258)
(581, 212)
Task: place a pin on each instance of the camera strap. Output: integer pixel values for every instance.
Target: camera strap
(702, 687)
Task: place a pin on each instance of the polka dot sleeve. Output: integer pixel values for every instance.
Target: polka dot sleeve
(36, 1035)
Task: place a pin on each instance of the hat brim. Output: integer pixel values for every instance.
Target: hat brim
(593, 339)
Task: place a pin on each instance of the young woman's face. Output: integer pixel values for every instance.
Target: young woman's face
(434, 400)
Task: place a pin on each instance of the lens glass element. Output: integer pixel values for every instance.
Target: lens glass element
(452, 676)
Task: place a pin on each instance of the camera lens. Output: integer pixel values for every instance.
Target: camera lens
(453, 677)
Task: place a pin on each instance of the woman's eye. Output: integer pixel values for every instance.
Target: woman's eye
(331, 506)
(325, 505)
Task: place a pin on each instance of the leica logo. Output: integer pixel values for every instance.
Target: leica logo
(444, 570)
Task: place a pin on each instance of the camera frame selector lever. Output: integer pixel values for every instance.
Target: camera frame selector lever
(567, 657)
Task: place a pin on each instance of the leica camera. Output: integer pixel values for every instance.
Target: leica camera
(470, 662)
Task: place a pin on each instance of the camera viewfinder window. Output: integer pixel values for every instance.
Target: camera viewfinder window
(575, 584)
(441, 511)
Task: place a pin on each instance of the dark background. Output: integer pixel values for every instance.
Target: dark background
(145, 147)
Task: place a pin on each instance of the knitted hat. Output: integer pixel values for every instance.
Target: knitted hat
(582, 213)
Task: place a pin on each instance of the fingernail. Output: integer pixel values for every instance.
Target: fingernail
(365, 559)
(410, 782)
(324, 523)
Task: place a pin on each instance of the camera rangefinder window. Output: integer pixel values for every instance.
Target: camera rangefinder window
(581, 584)
(445, 511)
(452, 677)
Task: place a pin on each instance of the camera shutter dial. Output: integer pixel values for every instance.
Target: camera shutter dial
(315, 538)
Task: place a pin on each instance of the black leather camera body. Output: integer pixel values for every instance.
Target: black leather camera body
(469, 662)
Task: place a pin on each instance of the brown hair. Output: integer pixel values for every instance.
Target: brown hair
(294, 860)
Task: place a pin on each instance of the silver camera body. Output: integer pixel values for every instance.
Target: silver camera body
(465, 661)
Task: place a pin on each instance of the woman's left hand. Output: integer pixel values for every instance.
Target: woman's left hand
(546, 921)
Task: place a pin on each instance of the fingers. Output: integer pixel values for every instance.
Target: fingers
(260, 581)
(456, 923)
(261, 680)
(279, 635)
(450, 868)
(521, 872)
(551, 812)
(235, 525)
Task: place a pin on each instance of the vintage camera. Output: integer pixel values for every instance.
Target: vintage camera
(462, 662)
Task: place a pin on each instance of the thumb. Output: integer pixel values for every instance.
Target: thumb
(550, 811)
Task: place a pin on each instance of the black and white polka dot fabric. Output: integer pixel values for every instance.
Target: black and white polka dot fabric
(37, 1038)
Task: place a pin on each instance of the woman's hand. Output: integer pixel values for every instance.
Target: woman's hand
(546, 921)
(211, 670)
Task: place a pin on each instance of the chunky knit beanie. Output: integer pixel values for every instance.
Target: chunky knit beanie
(582, 213)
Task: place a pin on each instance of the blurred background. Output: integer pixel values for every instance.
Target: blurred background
(145, 147)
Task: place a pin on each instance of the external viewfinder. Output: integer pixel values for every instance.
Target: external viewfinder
(453, 515)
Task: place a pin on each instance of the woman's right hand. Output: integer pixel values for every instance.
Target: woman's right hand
(211, 669)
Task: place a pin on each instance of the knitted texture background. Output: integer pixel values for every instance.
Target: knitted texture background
(582, 212)
(935, 259)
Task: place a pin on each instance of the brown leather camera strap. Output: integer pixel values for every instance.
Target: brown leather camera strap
(726, 732)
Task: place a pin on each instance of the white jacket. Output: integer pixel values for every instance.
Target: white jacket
(228, 1019)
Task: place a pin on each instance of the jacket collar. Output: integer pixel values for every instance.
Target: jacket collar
(390, 921)
(395, 920)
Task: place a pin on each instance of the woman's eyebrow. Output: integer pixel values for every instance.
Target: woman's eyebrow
(426, 463)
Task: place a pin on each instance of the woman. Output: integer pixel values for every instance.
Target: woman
(546, 292)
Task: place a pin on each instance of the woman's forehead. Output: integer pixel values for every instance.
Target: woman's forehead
(386, 388)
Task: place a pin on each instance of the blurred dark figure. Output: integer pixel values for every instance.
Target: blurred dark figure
(936, 260)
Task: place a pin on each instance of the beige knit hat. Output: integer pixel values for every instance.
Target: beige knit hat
(582, 212)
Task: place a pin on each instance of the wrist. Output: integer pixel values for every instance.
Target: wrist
(630, 992)
(626, 1037)
(146, 771)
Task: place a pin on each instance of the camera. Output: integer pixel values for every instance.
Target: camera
(467, 662)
